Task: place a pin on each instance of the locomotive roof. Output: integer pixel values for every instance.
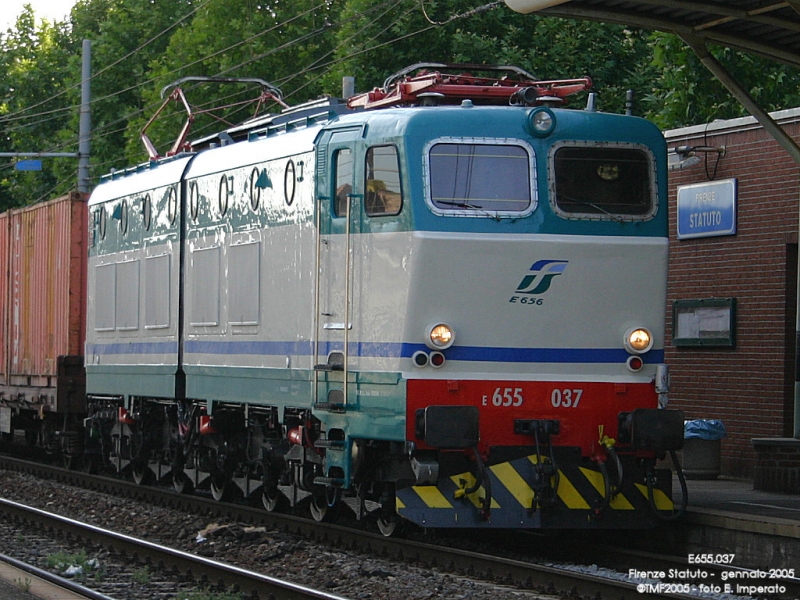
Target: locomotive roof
(149, 176)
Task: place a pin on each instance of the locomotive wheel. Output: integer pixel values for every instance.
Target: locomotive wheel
(71, 461)
(324, 505)
(72, 453)
(318, 507)
(219, 485)
(141, 473)
(89, 464)
(181, 483)
(387, 524)
(272, 499)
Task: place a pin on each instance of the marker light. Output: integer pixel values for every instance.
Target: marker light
(541, 121)
(635, 363)
(437, 360)
(420, 358)
(439, 336)
(638, 340)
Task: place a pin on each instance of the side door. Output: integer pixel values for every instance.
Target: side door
(339, 204)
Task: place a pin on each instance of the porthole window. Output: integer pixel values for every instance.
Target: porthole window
(147, 212)
(289, 183)
(255, 190)
(123, 217)
(224, 190)
(172, 205)
(101, 222)
(194, 200)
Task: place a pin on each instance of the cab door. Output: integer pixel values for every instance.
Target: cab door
(339, 206)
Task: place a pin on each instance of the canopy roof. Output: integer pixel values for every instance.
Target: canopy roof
(768, 28)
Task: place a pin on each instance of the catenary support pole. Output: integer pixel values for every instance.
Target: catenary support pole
(85, 123)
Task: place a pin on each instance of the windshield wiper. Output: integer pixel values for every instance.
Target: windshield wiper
(598, 208)
(459, 204)
(475, 207)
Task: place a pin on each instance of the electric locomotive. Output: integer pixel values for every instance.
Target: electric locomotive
(442, 300)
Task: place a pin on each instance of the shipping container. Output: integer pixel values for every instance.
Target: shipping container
(46, 299)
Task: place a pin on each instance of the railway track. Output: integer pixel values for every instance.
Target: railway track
(246, 582)
(550, 580)
(44, 584)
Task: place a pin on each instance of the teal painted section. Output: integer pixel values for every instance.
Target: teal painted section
(132, 380)
(412, 128)
(375, 409)
(373, 396)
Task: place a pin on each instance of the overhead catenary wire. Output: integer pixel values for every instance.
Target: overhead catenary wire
(153, 79)
(16, 116)
(316, 65)
(12, 116)
(297, 40)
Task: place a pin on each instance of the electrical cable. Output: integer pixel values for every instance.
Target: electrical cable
(9, 116)
(313, 67)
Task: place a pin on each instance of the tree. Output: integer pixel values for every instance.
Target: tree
(685, 93)
(33, 106)
(128, 36)
(274, 41)
(305, 47)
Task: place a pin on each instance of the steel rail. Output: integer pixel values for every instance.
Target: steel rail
(245, 581)
(53, 579)
(524, 575)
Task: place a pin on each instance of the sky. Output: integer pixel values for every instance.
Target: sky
(43, 9)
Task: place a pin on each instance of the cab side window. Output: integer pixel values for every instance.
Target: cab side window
(344, 181)
(383, 195)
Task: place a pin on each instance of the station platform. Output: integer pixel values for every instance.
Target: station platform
(739, 498)
(728, 516)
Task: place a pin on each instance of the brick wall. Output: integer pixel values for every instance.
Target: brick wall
(777, 465)
(749, 387)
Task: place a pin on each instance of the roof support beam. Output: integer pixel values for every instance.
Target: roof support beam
(786, 142)
(738, 92)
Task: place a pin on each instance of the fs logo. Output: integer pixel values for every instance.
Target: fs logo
(538, 280)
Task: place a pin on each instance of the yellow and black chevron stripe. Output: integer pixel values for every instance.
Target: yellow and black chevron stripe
(579, 499)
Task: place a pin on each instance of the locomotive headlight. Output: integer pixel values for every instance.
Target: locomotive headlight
(638, 340)
(541, 121)
(439, 336)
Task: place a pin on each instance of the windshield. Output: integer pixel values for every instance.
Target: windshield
(480, 177)
(599, 180)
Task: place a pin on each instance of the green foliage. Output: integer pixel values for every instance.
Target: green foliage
(685, 93)
(32, 69)
(24, 584)
(305, 47)
(141, 576)
(371, 45)
(272, 41)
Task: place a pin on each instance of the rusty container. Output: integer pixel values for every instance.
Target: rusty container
(4, 345)
(47, 294)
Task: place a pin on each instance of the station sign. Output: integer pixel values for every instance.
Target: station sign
(28, 165)
(707, 209)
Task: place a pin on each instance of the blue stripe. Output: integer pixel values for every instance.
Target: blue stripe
(547, 355)
(380, 350)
